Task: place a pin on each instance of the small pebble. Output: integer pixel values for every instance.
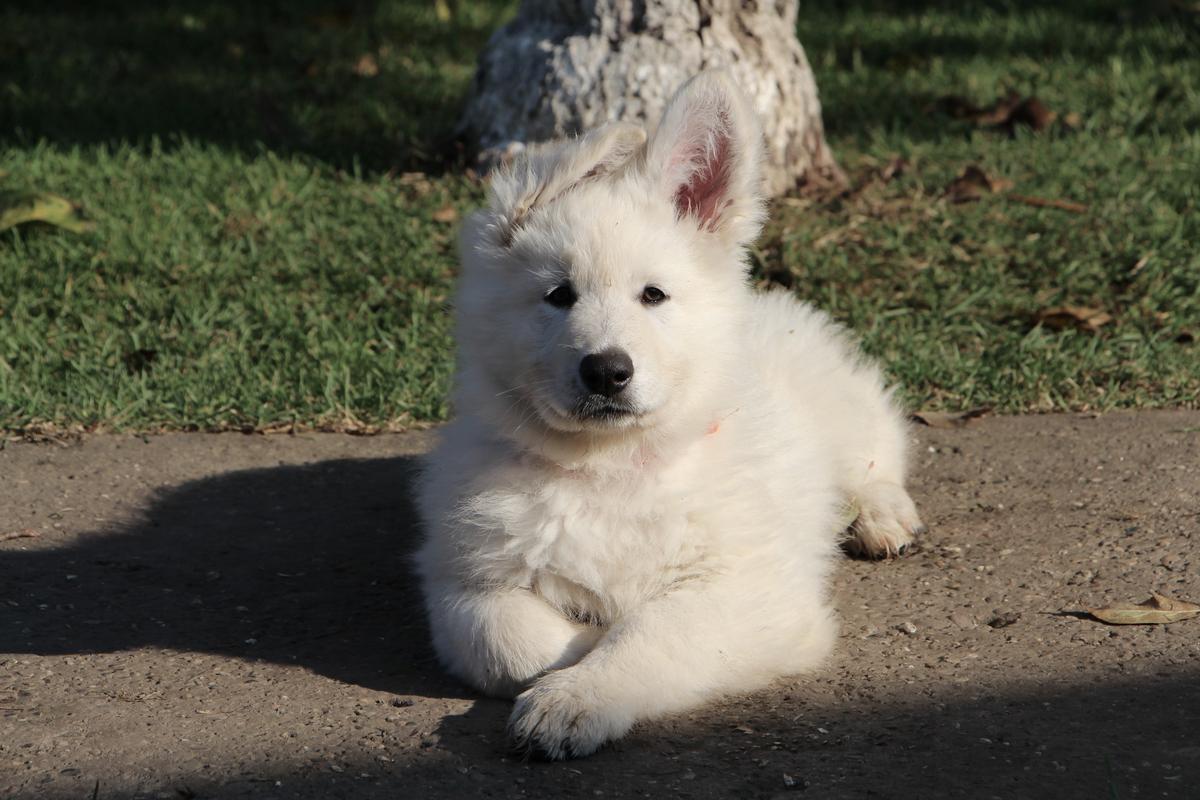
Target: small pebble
(907, 627)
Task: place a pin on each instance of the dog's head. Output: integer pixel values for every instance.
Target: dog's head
(604, 286)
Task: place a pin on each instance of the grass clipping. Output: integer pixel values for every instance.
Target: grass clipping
(1158, 610)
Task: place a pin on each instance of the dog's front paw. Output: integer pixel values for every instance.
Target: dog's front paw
(561, 716)
(887, 521)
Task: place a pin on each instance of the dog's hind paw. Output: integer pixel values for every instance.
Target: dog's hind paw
(887, 524)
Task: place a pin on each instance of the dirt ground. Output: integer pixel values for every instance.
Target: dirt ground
(232, 616)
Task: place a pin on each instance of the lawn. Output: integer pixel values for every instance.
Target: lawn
(273, 187)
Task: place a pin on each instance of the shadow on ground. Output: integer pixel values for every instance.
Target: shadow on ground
(1121, 740)
(295, 564)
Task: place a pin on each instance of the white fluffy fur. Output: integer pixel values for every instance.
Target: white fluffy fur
(604, 571)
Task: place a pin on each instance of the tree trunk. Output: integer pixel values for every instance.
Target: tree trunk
(565, 66)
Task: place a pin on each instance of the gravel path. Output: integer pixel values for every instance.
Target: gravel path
(231, 616)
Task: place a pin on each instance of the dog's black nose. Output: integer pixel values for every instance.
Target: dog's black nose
(607, 372)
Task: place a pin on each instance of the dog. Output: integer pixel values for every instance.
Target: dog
(644, 490)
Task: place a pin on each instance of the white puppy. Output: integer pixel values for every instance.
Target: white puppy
(641, 499)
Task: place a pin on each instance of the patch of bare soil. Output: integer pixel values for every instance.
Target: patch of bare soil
(233, 616)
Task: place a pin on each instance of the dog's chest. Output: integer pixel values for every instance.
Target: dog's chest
(617, 541)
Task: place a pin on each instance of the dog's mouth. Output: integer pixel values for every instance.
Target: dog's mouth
(598, 408)
(587, 412)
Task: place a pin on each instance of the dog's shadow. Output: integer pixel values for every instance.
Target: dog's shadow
(306, 565)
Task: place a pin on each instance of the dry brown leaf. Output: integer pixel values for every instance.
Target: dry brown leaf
(24, 533)
(998, 113)
(1088, 320)
(1006, 112)
(1031, 112)
(366, 66)
(973, 183)
(446, 214)
(1158, 610)
(950, 419)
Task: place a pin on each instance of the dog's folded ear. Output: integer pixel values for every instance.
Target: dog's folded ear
(545, 172)
(706, 157)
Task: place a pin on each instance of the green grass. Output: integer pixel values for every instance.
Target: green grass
(266, 254)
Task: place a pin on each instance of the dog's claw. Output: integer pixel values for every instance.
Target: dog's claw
(920, 529)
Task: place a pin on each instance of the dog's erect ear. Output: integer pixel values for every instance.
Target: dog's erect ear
(545, 172)
(706, 156)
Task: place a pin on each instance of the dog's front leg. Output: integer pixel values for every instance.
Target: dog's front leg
(499, 640)
(674, 652)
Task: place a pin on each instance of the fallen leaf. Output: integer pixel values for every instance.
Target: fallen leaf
(1030, 112)
(24, 533)
(999, 112)
(17, 208)
(1006, 112)
(973, 183)
(446, 214)
(1158, 610)
(950, 419)
(1088, 320)
(366, 66)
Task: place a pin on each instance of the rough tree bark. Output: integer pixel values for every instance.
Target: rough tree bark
(564, 66)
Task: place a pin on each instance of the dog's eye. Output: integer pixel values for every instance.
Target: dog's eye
(652, 295)
(561, 296)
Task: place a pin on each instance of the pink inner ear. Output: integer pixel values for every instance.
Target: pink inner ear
(704, 193)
